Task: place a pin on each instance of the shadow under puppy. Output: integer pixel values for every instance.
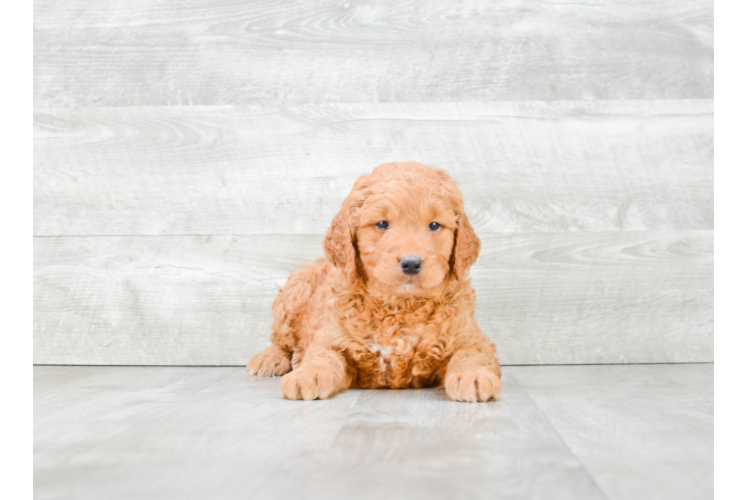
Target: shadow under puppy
(391, 304)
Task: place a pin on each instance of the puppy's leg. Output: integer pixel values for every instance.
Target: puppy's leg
(322, 373)
(473, 374)
(272, 361)
(290, 302)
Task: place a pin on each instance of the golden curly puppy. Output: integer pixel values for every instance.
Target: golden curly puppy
(391, 304)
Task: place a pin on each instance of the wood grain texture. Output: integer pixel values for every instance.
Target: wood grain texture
(618, 297)
(106, 53)
(581, 134)
(136, 432)
(667, 420)
(562, 166)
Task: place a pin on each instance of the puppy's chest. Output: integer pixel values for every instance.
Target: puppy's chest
(397, 357)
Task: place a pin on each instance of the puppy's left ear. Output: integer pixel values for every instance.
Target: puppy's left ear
(466, 247)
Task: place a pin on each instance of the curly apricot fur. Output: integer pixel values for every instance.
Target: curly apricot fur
(354, 319)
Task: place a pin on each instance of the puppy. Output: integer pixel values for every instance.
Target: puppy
(391, 304)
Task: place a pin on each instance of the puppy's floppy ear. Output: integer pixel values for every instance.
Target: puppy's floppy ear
(339, 242)
(466, 247)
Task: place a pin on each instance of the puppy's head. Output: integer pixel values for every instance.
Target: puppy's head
(403, 229)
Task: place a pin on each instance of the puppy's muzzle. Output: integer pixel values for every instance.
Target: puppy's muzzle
(411, 265)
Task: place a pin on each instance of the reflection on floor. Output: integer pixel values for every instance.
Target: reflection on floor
(576, 432)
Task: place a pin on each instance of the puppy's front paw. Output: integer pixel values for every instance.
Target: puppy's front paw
(473, 386)
(309, 383)
(271, 361)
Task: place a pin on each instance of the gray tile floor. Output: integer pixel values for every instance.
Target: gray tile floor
(577, 432)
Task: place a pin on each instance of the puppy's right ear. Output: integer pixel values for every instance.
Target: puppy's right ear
(339, 242)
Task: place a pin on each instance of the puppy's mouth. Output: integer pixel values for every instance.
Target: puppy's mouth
(408, 282)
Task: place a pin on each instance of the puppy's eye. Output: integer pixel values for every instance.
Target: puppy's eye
(434, 226)
(383, 224)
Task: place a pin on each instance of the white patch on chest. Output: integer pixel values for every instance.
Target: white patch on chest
(383, 350)
(401, 346)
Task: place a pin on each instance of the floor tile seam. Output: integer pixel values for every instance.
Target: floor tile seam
(556, 431)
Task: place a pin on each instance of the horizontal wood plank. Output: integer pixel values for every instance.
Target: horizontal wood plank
(628, 297)
(561, 166)
(106, 53)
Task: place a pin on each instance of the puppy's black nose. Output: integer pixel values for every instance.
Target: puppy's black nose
(410, 265)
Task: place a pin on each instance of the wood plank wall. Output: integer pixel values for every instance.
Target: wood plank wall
(189, 154)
